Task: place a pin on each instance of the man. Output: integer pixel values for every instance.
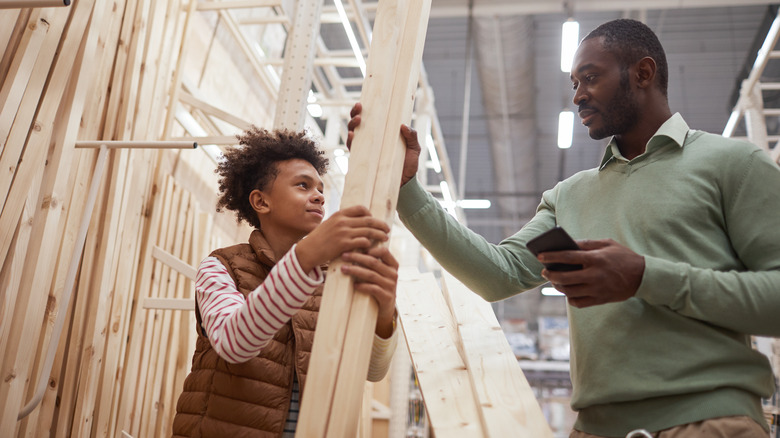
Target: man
(680, 247)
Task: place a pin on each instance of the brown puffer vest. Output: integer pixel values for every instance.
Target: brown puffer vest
(250, 399)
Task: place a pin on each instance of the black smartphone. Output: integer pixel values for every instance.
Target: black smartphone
(556, 239)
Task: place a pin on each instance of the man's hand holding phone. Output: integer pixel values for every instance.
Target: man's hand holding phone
(588, 272)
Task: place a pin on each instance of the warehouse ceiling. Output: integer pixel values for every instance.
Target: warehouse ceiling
(516, 88)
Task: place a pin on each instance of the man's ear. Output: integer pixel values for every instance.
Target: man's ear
(258, 202)
(644, 72)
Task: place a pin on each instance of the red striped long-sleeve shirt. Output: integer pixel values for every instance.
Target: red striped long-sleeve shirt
(239, 327)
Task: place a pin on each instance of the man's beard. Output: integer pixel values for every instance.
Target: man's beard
(620, 114)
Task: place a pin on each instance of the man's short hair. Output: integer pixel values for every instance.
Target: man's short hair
(630, 41)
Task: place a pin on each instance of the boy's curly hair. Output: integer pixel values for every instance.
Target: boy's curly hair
(253, 166)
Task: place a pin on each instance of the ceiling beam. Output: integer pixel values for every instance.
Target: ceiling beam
(459, 8)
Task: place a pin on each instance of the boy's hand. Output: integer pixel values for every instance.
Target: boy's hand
(412, 157)
(375, 273)
(346, 230)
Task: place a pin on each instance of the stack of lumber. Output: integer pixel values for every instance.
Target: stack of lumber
(97, 70)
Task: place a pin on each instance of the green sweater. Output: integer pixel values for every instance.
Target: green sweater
(704, 211)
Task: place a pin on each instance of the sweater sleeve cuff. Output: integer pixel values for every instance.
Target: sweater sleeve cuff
(661, 282)
(411, 198)
(381, 355)
(313, 278)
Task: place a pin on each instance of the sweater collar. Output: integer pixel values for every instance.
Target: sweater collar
(673, 130)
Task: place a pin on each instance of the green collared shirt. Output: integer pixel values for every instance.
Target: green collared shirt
(703, 211)
(673, 130)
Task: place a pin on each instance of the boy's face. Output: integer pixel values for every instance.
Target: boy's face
(294, 200)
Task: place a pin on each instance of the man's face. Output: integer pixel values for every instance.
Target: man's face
(602, 91)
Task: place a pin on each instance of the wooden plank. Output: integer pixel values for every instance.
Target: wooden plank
(329, 339)
(237, 4)
(9, 161)
(405, 25)
(175, 89)
(10, 276)
(126, 260)
(38, 271)
(160, 343)
(41, 418)
(211, 110)
(20, 72)
(507, 402)
(170, 393)
(12, 26)
(174, 262)
(431, 337)
(150, 346)
(133, 359)
(83, 307)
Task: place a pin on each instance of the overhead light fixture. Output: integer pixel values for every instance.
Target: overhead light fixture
(551, 292)
(565, 129)
(351, 36)
(477, 204)
(570, 35)
(432, 153)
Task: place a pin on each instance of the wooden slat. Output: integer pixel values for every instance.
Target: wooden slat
(507, 403)
(41, 419)
(19, 131)
(211, 110)
(431, 337)
(341, 348)
(174, 262)
(152, 405)
(128, 407)
(12, 24)
(20, 72)
(236, 4)
(144, 405)
(175, 89)
(169, 395)
(36, 278)
(83, 307)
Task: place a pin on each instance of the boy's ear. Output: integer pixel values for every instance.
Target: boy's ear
(258, 202)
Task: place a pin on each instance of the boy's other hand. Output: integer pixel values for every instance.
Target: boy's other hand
(412, 157)
(375, 273)
(346, 230)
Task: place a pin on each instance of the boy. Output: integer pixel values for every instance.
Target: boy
(257, 302)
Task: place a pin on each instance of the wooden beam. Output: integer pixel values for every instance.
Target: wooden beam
(174, 262)
(432, 339)
(38, 270)
(506, 401)
(237, 4)
(209, 109)
(342, 345)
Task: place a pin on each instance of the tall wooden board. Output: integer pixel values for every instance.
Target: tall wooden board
(343, 340)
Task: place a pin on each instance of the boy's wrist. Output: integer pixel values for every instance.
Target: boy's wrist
(304, 258)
